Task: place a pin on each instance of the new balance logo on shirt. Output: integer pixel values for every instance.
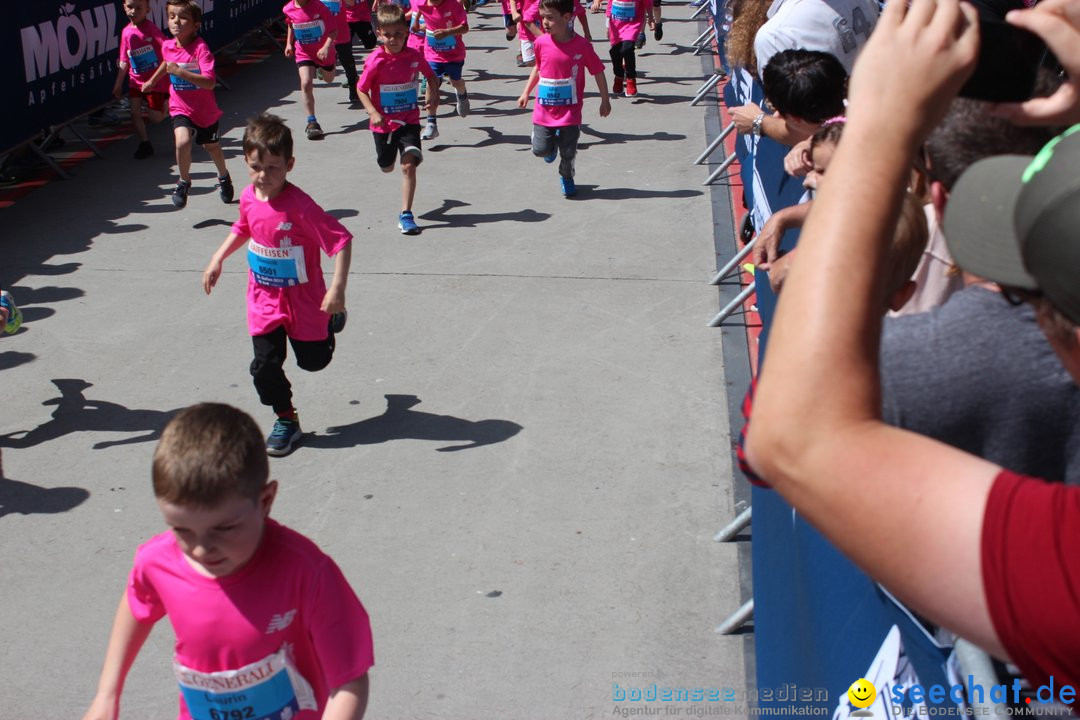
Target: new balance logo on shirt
(280, 621)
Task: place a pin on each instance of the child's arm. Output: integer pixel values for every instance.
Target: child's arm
(334, 302)
(213, 270)
(204, 82)
(289, 40)
(125, 641)
(530, 84)
(149, 84)
(348, 702)
(121, 73)
(455, 30)
(375, 118)
(605, 100)
(324, 51)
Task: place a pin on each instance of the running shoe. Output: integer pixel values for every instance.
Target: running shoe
(281, 439)
(431, 131)
(462, 106)
(179, 195)
(407, 224)
(617, 85)
(144, 150)
(225, 189)
(569, 189)
(631, 87)
(314, 131)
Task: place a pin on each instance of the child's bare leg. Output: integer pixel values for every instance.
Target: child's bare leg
(459, 85)
(408, 181)
(183, 152)
(157, 116)
(218, 157)
(307, 88)
(432, 96)
(137, 119)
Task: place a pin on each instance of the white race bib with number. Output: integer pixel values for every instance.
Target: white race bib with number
(270, 689)
(277, 267)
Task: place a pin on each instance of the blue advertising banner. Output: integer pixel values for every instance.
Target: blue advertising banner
(62, 57)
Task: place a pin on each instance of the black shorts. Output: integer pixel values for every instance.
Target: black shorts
(203, 135)
(404, 139)
(312, 63)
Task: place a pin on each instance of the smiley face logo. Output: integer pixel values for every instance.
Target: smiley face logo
(862, 693)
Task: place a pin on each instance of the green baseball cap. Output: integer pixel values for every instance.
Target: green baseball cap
(1015, 220)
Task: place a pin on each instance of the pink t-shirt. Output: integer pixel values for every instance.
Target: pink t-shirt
(140, 48)
(281, 633)
(562, 69)
(390, 81)
(626, 18)
(310, 25)
(185, 97)
(448, 13)
(285, 279)
(341, 23)
(358, 12)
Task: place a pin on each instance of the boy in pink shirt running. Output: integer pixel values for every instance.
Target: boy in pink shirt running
(389, 92)
(562, 59)
(140, 55)
(626, 20)
(266, 624)
(285, 232)
(313, 31)
(195, 114)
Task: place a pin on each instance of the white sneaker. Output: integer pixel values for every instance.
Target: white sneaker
(462, 106)
(430, 132)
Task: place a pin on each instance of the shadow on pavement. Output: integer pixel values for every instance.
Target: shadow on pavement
(401, 422)
(75, 413)
(447, 219)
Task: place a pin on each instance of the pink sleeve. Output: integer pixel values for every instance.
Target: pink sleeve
(206, 61)
(241, 227)
(124, 47)
(593, 63)
(460, 16)
(367, 78)
(328, 230)
(339, 628)
(426, 70)
(142, 598)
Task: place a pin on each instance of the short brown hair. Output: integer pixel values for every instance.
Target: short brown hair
(266, 133)
(207, 454)
(191, 6)
(389, 13)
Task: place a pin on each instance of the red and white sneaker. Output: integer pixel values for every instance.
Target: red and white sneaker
(631, 87)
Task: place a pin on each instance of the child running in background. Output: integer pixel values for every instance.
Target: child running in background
(266, 624)
(285, 231)
(389, 92)
(342, 39)
(195, 113)
(562, 58)
(358, 17)
(445, 21)
(526, 16)
(140, 56)
(625, 21)
(311, 37)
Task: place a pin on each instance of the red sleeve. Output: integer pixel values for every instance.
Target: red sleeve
(339, 628)
(1031, 575)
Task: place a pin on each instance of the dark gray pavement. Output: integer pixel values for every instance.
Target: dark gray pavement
(519, 455)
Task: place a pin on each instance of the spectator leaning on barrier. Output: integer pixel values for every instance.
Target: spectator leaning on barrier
(805, 87)
(838, 27)
(975, 548)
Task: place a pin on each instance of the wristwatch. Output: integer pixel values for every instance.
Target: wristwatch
(755, 128)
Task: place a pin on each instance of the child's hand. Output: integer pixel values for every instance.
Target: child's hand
(523, 101)
(605, 107)
(173, 68)
(147, 87)
(210, 275)
(334, 301)
(376, 119)
(797, 162)
(289, 51)
(515, 17)
(595, 8)
(440, 34)
(323, 52)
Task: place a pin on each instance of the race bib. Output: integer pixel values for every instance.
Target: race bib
(270, 689)
(308, 32)
(398, 98)
(623, 9)
(180, 83)
(333, 6)
(554, 92)
(143, 60)
(441, 44)
(277, 267)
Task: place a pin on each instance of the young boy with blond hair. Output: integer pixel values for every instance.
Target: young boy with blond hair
(140, 55)
(285, 232)
(266, 624)
(389, 92)
(311, 37)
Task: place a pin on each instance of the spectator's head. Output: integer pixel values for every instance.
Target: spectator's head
(822, 144)
(747, 17)
(806, 87)
(1015, 220)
